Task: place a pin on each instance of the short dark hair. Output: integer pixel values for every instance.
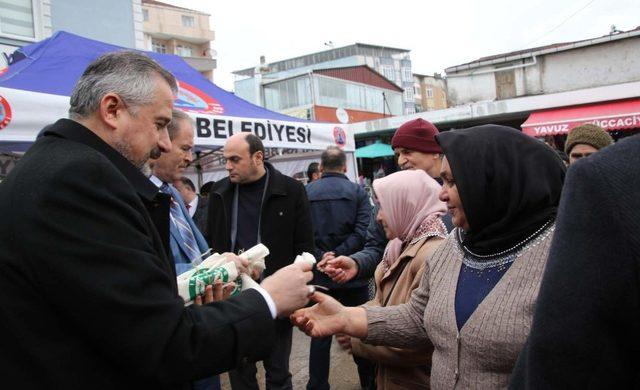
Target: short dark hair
(187, 182)
(333, 159)
(311, 169)
(206, 188)
(255, 144)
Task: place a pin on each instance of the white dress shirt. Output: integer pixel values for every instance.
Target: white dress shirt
(193, 205)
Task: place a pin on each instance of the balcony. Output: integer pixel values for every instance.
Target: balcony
(201, 64)
(175, 31)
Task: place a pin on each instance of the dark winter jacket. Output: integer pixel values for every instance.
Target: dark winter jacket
(285, 226)
(340, 211)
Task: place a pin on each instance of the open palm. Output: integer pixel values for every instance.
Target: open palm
(325, 318)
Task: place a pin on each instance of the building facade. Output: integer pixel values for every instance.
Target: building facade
(392, 63)
(430, 92)
(611, 59)
(348, 95)
(544, 91)
(23, 22)
(175, 30)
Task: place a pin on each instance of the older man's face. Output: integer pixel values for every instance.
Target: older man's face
(413, 159)
(142, 131)
(171, 165)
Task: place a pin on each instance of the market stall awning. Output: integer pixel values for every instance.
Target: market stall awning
(377, 149)
(618, 115)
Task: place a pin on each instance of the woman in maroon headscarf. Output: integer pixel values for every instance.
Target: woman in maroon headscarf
(410, 211)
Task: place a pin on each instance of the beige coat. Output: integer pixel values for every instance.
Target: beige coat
(400, 368)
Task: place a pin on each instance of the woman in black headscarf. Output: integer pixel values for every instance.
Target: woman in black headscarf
(476, 298)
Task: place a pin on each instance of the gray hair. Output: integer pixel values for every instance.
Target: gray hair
(176, 117)
(333, 159)
(129, 74)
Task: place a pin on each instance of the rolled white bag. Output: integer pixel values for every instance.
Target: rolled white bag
(189, 287)
(217, 267)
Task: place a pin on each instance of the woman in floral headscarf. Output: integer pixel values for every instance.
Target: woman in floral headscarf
(409, 211)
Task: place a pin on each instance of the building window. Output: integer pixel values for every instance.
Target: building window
(429, 93)
(408, 94)
(184, 51)
(159, 47)
(16, 18)
(188, 21)
(145, 15)
(416, 90)
(406, 74)
(286, 94)
(340, 93)
(389, 72)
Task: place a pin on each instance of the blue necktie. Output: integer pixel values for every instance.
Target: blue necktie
(182, 225)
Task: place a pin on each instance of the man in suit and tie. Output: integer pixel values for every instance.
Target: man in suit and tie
(186, 242)
(196, 204)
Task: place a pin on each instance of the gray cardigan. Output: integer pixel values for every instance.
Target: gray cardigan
(483, 354)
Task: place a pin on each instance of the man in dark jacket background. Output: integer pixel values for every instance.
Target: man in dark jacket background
(257, 204)
(340, 211)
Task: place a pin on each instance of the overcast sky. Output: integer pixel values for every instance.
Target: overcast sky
(439, 34)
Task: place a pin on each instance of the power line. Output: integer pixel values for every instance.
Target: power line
(563, 22)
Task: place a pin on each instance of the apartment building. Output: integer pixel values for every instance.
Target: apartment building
(393, 64)
(185, 32)
(430, 92)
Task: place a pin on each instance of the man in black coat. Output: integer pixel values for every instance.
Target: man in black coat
(258, 204)
(585, 328)
(89, 296)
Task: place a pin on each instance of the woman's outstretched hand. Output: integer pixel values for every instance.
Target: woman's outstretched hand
(328, 317)
(325, 318)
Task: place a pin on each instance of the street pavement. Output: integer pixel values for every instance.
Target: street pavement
(343, 374)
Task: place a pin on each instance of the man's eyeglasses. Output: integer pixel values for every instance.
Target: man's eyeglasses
(576, 156)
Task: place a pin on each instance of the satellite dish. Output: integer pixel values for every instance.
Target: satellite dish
(342, 115)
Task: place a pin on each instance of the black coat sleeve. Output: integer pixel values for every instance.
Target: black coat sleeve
(586, 317)
(91, 255)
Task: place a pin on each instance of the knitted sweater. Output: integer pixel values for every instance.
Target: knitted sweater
(483, 354)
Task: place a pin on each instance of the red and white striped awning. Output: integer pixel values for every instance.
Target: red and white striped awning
(618, 115)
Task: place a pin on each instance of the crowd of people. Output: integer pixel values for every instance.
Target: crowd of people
(490, 269)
